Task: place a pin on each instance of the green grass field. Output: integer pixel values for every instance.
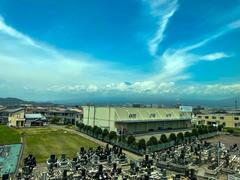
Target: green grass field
(9, 135)
(42, 142)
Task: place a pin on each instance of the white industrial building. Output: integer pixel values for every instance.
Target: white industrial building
(132, 120)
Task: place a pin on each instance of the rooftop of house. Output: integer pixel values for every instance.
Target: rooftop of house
(11, 110)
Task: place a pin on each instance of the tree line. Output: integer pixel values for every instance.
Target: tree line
(141, 144)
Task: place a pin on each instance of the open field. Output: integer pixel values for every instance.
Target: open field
(42, 142)
(9, 135)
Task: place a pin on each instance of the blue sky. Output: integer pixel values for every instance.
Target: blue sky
(136, 49)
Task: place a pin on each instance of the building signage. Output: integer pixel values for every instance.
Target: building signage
(185, 108)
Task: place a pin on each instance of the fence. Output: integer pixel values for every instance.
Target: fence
(149, 149)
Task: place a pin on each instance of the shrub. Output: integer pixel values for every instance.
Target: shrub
(152, 141)
(105, 133)
(81, 126)
(220, 127)
(141, 144)
(89, 129)
(180, 136)
(55, 120)
(98, 131)
(112, 135)
(122, 138)
(172, 137)
(94, 129)
(163, 138)
(195, 132)
(230, 131)
(131, 140)
(200, 130)
(187, 134)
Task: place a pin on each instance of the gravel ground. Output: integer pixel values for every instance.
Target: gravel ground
(228, 140)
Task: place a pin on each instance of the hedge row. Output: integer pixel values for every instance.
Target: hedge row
(142, 144)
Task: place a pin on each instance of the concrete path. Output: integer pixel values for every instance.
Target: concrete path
(130, 155)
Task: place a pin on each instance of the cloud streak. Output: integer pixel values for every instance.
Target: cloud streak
(163, 10)
(4, 28)
(175, 61)
(156, 89)
(27, 62)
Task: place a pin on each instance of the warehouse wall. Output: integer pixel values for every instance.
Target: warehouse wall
(103, 117)
(142, 127)
(129, 119)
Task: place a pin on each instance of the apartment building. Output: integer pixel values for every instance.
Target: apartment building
(214, 119)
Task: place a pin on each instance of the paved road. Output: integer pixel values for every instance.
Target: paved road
(130, 155)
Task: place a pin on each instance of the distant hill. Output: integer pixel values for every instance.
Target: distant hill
(11, 101)
(219, 103)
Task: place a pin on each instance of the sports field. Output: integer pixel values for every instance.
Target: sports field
(42, 142)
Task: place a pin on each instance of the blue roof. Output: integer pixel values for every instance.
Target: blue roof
(35, 116)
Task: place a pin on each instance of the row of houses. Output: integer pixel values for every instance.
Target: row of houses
(127, 120)
(16, 117)
(38, 116)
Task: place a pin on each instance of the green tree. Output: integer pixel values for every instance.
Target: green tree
(105, 133)
(89, 129)
(210, 129)
(172, 137)
(81, 126)
(163, 138)
(98, 131)
(112, 135)
(220, 127)
(55, 120)
(231, 131)
(122, 138)
(195, 132)
(152, 141)
(180, 136)
(131, 140)
(187, 134)
(205, 130)
(141, 144)
(94, 130)
(200, 130)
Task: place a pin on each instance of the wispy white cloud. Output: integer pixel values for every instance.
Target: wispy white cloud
(12, 32)
(175, 61)
(163, 10)
(27, 62)
(234, 25)
(40, 68)
(215, 56)
(153, 88)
